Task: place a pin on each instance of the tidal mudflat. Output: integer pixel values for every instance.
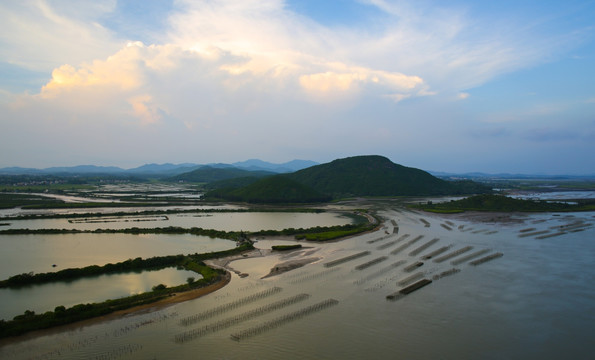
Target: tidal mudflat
(494, 293)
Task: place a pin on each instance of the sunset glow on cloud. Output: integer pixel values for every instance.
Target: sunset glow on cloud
(205, 77)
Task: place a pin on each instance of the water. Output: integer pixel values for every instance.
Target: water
(6, 213)
(38, 253)
(233, 221)
(88, 290)
(535, 302)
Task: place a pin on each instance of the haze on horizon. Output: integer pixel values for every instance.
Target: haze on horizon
(461, 86)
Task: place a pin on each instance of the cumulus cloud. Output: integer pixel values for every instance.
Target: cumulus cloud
(237, 51)
(227, 70)
(263, 43)
(145, 109)
(329, 81)
(332, 83)
(40, 35)
(281, 45)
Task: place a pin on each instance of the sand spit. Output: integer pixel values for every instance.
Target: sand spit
(224, 263)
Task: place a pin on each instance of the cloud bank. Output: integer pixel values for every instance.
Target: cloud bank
(256, 79)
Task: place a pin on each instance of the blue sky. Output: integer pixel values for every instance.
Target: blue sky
(456, 86)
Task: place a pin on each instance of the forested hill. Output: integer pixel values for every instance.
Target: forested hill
(209, 174)
(374, 175)
(354, 176)
(270, 190)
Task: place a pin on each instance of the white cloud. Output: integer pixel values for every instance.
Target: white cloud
(329, 81)
(459, 46)
(282, 47)
(41, 35)
(397, 97)
(145, 109)
(419, 51)
(228, 73)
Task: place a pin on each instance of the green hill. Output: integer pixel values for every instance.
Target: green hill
(354, 176)
(233, 183)
(208, 174)
(375, 175)
(273, 189)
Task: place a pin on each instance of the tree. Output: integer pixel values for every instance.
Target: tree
(159, 287)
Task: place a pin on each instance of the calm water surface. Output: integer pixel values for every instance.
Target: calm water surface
(88, 290)
(25, 253)
(535, 302)
(248, 221)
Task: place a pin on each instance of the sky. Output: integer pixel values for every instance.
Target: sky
(454, 86)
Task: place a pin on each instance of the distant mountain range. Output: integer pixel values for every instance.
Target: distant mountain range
(256, 165)
(160, 170)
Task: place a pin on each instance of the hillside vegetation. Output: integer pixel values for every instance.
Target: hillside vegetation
(354, 176)
(207, 174)
(375, 175)
(273, 189)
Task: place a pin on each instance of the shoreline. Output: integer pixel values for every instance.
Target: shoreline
(174, 298)
(221, 263)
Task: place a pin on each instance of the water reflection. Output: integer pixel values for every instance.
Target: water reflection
(234, 221)
(24, 253)
(42, 298)
(535, 302)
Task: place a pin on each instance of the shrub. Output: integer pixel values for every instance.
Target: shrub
(159, 287)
